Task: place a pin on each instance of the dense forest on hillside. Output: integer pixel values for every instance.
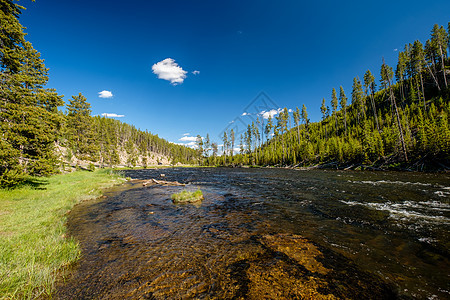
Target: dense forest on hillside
(111, 142)
(38, 139)
(403, 123)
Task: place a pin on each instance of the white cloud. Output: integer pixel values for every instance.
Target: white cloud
(185, 134)
(188, 139)
(168, 69)
(105, 94)
(196, 72)
(245, 114)
(270, 113)
(290, 110)
(395, 49)
(112, 115)
(192, 145)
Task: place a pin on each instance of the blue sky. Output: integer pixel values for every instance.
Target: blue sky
(294, 51)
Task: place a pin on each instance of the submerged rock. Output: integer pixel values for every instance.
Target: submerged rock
(292, 267)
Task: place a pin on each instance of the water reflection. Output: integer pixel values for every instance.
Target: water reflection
(266, 234)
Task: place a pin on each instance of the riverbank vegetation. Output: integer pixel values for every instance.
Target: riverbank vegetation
(187, 197)
(399, 120)
(34, 246)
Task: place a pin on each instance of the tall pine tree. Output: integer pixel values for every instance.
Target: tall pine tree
(79, 127)
(29, 117)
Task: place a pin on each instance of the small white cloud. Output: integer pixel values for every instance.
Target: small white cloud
(196, 72)
(192, 145)
(188, 139)
(395, 50)
(185, 134)
(245, 114)
(105, 94)
(168, 69)
(290, 110)
(270, 113)
(112, 115)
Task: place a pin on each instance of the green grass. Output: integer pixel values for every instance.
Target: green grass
(187, 197)
(34, 249)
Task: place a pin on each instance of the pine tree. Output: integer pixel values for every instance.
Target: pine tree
(357, 98)
(199, 142)
(225, 143)
(334, 105)
(324, 109)
(343, 102)
(214, 150)
(255, 133)
(269, 127)
(232, 139)
(430, 56)
(418, 58)
(80, 128)
(305, 117)
(29, 112)
(369, 84)
(400, 71)
(296, 115)
(439, 40)
(207, 145)
(386, 76)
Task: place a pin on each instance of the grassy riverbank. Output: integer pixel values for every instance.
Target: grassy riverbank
(33, 243)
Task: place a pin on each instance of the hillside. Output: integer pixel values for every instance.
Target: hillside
(401, 125)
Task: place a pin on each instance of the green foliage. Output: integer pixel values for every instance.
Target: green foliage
(12, 177)
(79, 128)
(29, 120)
(187, 197)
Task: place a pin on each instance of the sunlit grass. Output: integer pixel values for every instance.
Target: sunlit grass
(33, 243)
(187, 197)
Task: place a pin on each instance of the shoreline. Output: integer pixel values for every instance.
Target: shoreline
(33, 230)
(400, 167)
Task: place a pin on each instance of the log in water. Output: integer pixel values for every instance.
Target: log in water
(266, 234)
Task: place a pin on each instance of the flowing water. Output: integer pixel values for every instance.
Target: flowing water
(266, 234)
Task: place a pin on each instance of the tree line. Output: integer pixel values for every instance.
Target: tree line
(401, 120)
(33, 127)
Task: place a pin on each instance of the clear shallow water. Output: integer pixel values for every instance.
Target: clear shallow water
(368, 235)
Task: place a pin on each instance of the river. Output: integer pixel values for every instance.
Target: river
(265, 234)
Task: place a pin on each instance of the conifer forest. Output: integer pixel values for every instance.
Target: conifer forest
(396, 116)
